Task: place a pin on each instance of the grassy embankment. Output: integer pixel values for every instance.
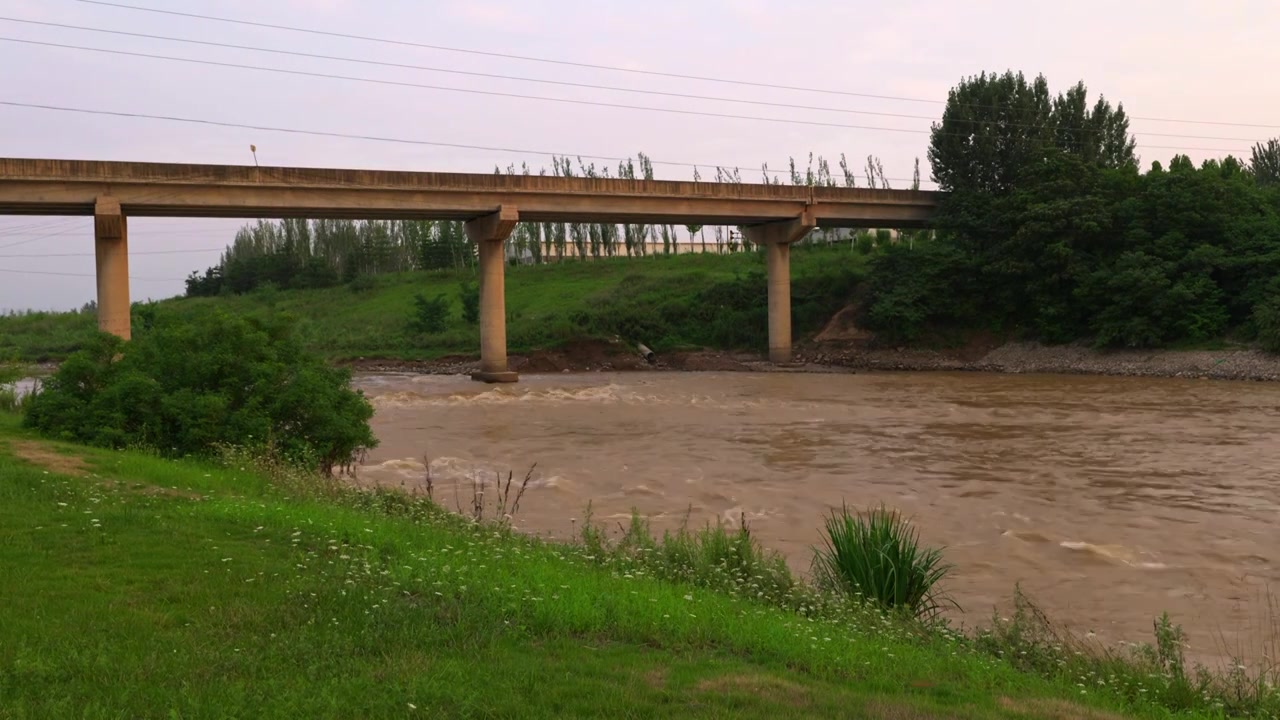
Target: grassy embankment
(140, 587)
(686, 301)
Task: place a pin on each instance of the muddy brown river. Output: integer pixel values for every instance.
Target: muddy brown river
(1109, 500)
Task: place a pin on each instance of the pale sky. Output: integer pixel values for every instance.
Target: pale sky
(1184, 60)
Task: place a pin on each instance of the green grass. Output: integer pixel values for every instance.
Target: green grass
(671, 301)
(150, 588)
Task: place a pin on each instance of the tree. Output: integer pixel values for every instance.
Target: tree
(995, 128)
(1265, 162)
(469, 297)
(430, 315)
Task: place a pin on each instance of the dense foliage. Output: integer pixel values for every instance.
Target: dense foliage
(1265, 162)
(997, 128)
(187, 385)
(1061, 242)
(728, 313)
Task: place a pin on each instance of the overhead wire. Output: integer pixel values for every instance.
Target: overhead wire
(594, 66)
(495, 93)
(132, 233)
(372, 138)
(509, 56)
(454, 71)
(131, 253)
(27, 241)
(545, 81)
(445, 88)
(10, 230)
(86, 275)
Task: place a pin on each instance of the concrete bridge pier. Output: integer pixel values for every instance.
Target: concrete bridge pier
(776, 237)
(490, 233)
(111, 248)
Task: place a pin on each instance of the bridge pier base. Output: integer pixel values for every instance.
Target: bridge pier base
(777, 237)
(490, 233)
(111, 250)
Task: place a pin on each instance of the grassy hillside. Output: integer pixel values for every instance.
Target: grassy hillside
(666, 302)
(136, 587)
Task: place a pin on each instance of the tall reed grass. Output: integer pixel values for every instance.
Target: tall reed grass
(876, 556)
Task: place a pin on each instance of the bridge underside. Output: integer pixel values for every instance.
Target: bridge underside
(772, 216)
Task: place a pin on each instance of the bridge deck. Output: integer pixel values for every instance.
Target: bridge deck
(70, 187)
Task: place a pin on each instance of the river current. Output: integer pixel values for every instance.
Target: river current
(1109, 500)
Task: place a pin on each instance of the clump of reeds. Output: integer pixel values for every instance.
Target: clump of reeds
(877, 556)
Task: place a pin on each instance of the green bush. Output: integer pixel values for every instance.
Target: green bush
(469, 296)
(1266, 317)
(911, 288)
(430, 315)
(876, 556)
(865, 242)
(362, 283)
(186, 387)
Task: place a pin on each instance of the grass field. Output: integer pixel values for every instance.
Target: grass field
(667, 302)
(137, 587)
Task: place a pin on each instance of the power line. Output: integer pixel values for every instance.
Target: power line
(43, 224)
(469, 91)
(372, 138)
(133, 233)
(86, 275)
(611, 68)
(426, 68)
(405, 43)
(131, 253)
(27, 241)
(32, 227)
(494, 93)
(517, 78)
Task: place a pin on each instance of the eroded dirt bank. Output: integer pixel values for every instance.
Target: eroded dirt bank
(849, 356)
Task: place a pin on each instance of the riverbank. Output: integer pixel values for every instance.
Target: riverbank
(1015, 357)
(1240, 363)
(273, 598)
(668, 302)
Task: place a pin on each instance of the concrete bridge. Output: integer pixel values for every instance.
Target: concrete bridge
(772, 216)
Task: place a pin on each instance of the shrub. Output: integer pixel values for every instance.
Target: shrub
(362, 283)
(910, 288)
(865, 242)
(188, 386)
(430, 316)
(469, 296)
(876, 556)
(1266, 317)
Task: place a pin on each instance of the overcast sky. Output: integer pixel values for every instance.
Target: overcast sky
(1209, 61)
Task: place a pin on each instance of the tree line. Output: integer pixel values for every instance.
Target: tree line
(299, 254)
(1050, 231)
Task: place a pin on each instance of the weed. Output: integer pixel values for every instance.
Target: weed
(876, 556)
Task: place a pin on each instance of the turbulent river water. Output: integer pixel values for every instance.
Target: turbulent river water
(1110, 500)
